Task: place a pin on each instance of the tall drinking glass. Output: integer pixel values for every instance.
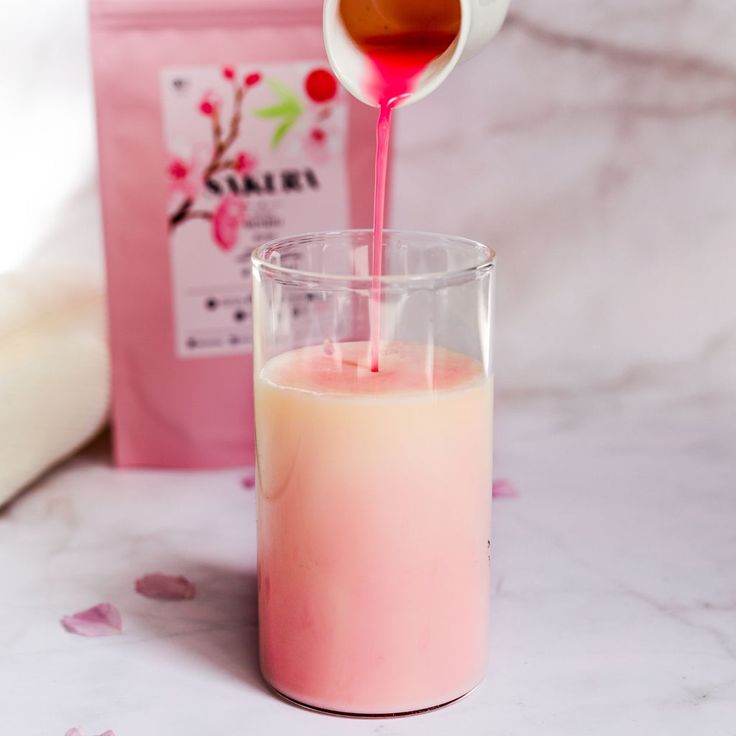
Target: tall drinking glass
(374, 487)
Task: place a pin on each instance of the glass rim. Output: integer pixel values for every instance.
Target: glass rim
(297, 276)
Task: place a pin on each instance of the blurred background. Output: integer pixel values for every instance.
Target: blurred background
(593, 144)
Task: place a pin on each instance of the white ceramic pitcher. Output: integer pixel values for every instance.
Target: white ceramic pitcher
(480, 20)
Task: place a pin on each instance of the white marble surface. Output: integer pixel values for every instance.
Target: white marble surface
(614, 603)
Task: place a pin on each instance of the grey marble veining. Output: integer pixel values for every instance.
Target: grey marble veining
(594, 144)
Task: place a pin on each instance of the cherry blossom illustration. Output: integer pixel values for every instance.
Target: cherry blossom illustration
(244, 163)
(179, 171)
(302, 113)
(188, 178)
(226, 221)
(185, 170)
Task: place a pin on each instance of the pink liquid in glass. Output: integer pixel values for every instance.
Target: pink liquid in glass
(374, 478)
(374, 516)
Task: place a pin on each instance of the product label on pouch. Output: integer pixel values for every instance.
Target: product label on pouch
(254, 153)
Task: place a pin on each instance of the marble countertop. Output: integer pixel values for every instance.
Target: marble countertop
(614, 597)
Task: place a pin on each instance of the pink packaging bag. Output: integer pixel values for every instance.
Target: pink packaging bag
(219, 127)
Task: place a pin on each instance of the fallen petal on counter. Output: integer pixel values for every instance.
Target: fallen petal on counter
(249, 479)
(101, 620)
(165, 587)
(503, 488)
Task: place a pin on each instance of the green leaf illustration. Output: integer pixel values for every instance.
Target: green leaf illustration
(284, 93)
(288, 109)
(276, 111)
(280, 132)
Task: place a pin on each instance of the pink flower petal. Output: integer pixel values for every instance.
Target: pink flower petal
(249, 479)
(107, 733)
(165, 587)
(244, 163)
(226, 221)
(503, 488)
(73, 732)
(101, 620)
(178, 169)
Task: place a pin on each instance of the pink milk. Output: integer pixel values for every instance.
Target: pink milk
(374, 526)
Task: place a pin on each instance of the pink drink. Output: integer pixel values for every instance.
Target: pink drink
(383, 135)
(374, 520)
(397, 60)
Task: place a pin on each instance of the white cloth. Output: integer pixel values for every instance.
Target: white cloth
(54, 370)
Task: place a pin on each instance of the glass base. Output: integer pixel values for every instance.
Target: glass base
(344, 714)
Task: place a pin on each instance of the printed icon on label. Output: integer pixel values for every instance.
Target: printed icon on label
(211, 303)
(191, 343)
(239, 316)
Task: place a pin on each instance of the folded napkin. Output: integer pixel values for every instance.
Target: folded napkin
(54, 370)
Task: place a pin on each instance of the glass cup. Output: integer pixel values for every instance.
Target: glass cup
(374, 487)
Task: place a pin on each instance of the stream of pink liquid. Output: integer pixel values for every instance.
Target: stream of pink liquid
(398, 61)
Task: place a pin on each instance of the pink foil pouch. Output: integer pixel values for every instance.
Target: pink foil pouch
(220, 126)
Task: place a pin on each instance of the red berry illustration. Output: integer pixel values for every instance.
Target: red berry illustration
(252, 80)
(318, 135)
(320, 85)
(228, 72)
